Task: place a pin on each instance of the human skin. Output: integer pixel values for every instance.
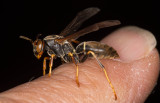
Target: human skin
(133, 75)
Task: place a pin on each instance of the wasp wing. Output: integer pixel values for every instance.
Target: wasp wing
(78, 20)
(90, 29)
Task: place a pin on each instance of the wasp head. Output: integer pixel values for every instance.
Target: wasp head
(38, 46)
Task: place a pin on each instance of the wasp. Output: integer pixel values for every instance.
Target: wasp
(62, 45)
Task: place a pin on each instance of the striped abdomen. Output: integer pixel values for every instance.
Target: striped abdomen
(102, 51)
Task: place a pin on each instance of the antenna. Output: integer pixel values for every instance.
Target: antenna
(26, 38)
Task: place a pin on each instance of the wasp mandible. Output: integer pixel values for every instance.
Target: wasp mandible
(61, 45)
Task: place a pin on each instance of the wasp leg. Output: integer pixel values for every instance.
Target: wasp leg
(44, 65)
(77, 81)
(51, 64)
(84, 58)
(100, 64)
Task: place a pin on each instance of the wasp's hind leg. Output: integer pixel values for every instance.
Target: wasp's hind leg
(84, 58)
(101, 65)
(77, 70)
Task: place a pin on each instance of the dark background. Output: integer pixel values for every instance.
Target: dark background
(28, 18)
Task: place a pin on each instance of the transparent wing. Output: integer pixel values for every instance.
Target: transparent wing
(90, 29)
(78, 20)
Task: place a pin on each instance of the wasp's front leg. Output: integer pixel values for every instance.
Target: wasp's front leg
(50, 64)
(44, 65)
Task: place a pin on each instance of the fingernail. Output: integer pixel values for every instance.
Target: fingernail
(131, 42)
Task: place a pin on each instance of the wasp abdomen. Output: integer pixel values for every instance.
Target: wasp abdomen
(102, 51)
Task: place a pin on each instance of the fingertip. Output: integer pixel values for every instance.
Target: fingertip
(131, 42)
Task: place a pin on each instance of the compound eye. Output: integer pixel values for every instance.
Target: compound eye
(39, 46)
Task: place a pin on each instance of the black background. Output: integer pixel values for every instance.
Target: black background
(29, 18)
